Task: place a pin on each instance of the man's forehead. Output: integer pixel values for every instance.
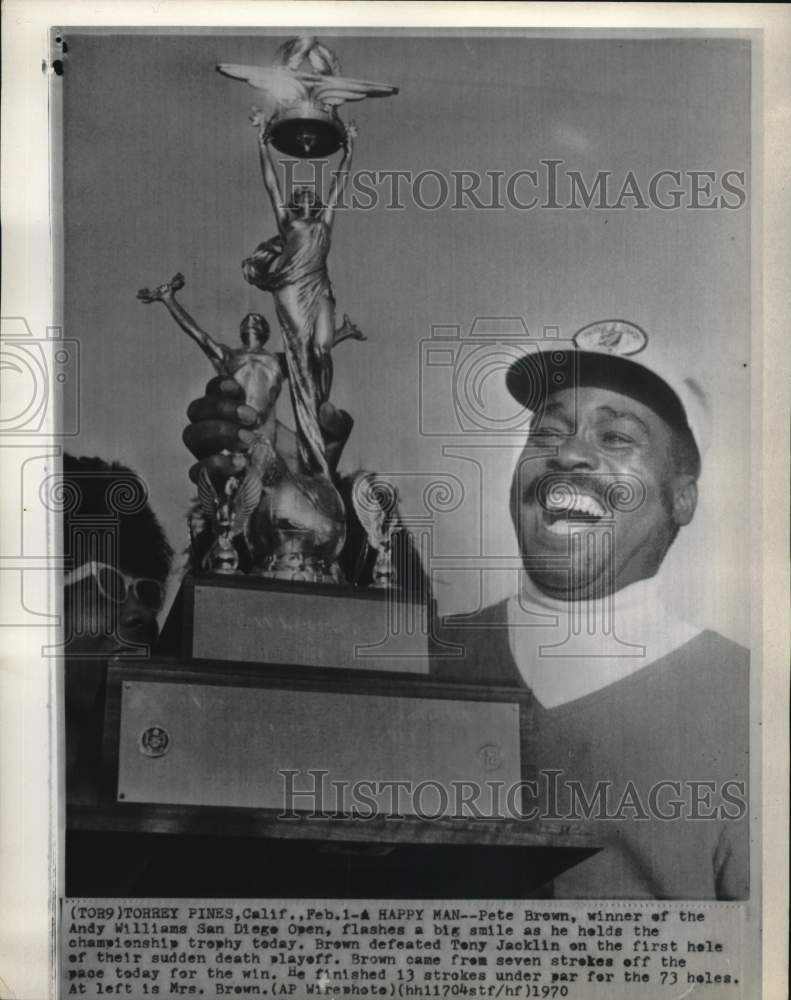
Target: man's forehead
(594, 399)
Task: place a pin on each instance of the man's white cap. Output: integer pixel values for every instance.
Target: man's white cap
(614, 354)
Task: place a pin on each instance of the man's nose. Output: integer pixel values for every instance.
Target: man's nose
(138, 622)
(574, 452)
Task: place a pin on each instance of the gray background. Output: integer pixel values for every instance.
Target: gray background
(160, 175)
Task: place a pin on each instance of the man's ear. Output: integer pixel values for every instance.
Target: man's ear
(685, 499)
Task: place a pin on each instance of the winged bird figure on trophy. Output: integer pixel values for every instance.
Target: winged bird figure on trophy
(302, 105)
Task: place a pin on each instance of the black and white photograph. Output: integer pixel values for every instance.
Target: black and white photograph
(402, 510)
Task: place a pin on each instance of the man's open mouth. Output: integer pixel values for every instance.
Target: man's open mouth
(563, 513)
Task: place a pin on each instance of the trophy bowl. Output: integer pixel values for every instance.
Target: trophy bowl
(307, 131)
(299, 531)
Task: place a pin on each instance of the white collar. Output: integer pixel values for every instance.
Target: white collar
(626, 600)
(567, 649)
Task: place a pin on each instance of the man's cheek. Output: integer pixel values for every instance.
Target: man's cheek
(515, 508)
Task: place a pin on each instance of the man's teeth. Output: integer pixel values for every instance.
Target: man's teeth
(580, 504)
(561, 513)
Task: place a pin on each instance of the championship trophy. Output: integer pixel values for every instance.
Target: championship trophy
(302, 638)
(287, 516)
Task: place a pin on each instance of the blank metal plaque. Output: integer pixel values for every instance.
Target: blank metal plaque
(208, 745)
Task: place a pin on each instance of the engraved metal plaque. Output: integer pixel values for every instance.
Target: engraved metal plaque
(228, 746)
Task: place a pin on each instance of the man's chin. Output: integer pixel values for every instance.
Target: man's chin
(564, 586)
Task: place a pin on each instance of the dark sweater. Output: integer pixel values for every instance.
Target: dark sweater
(683, 718)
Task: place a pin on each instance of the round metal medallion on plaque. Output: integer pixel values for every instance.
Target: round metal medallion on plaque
(154, 741)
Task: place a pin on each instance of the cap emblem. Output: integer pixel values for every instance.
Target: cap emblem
(611, 336)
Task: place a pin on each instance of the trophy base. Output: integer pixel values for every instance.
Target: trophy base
(254, 620)
(263, 769)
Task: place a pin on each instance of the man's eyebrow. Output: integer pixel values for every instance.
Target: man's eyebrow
(554, 408)
(624, 415)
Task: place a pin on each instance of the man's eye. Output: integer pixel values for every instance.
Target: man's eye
(617, 438)
(548, 431)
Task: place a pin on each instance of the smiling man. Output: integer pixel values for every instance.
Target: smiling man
(638, 728)
(602, 443)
